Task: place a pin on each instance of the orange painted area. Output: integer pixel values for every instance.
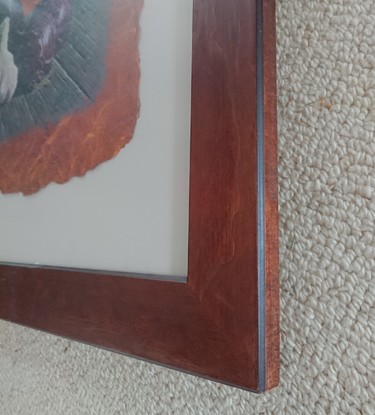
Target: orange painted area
(29, 5)
(80, 142)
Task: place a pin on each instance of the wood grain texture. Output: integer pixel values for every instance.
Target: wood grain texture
(209, 325)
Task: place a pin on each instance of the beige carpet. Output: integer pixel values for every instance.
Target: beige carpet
(327, 207)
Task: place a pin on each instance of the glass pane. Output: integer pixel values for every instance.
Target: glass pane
(127, 214)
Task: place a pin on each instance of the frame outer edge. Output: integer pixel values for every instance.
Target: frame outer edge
(267, 200)
(272, 284)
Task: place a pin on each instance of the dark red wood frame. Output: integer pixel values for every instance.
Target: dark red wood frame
(223, 323)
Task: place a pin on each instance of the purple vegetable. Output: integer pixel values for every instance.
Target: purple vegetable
(34, 40)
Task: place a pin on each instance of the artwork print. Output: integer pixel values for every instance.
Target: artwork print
(69, 87)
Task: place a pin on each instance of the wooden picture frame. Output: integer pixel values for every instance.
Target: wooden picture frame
(222, 323)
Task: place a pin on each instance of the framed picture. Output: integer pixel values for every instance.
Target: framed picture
(138, 172)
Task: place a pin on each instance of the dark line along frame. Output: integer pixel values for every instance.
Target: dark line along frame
(213, 325)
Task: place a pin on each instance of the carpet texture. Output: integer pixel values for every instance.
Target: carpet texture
(326, 68)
